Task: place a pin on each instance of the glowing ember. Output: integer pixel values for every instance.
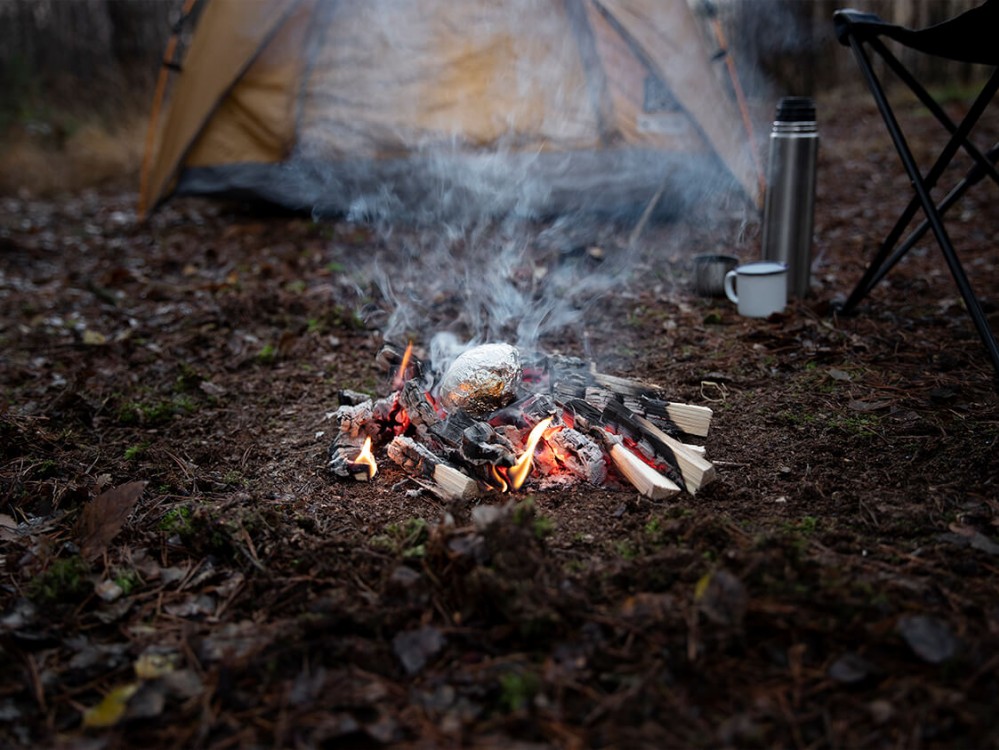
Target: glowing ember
(367, 458)
(519, 471)
(400, 376)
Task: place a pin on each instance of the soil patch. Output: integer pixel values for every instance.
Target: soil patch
(836, 586)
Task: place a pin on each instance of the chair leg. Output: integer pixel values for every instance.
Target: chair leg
(880, 269)
(922, 189)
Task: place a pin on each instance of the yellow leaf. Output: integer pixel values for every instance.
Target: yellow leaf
(94, 338)
(702, 587)
(153, 666)
(109, 711)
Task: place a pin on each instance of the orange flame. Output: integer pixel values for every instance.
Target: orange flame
(400, 376)
(519, 471)
(501, 483)
(367, 458)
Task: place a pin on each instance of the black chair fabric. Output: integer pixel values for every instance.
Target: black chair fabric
(970, 37)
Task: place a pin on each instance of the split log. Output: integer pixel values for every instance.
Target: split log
(697, 471)
(449, 482)
(347, 397)
(352, 424)
(686, 418)
(618, 416)
(390, 357)
(643, 477)
(625, 386)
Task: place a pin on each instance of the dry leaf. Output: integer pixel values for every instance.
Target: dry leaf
(103, 517)
(110, 711)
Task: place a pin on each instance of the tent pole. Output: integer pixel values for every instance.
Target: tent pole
(154, 116)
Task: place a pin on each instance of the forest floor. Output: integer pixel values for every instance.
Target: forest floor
(178, 568)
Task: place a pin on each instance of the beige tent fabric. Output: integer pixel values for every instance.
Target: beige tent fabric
(390, 78)
(397, 78)
(256, 121)
(670, 39)
(673, 130)
(211, 67)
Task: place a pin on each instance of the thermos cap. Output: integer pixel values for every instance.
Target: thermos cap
(796, 109)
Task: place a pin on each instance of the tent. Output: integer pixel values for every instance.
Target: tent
(328, 105)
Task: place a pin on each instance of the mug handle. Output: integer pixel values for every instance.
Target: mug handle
(730, 286)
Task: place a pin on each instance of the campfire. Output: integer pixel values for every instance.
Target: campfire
(498, 420)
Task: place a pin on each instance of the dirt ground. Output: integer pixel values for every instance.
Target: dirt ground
(179, 570)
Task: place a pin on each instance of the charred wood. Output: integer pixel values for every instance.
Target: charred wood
(415, 401)
(449, 482)
(580, 455)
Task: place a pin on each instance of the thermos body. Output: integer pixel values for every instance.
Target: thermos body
(789, 202)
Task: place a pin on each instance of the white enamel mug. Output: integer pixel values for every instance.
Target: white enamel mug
(759, 289)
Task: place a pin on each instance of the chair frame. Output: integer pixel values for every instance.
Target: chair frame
(891, 251)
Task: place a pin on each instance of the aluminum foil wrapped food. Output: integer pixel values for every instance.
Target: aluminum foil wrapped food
(482, 379)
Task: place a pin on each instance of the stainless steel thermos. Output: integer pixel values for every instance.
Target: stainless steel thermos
(789, 202)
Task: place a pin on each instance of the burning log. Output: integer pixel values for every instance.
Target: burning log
(474, 430)
(354, 424)
(450, 483)
(579, 455)
(400, 362)
(474, 442)
(416, 402)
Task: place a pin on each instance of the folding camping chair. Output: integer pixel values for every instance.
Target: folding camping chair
(972, 38)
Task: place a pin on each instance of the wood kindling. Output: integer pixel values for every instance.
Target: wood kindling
(645, 479)
(618, 416)
(697, 471)
(449, 482)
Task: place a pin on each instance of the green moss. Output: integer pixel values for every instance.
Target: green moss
(176, 521)
(137, 451)
(65, 580)
(267, 355)
(518, 689)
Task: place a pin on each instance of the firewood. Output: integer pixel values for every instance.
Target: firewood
(414, 400)
(390, 357)
(625, 386)
(643, 477)
(451, 482)
(580, 455)
(347, 397)
(454, 484)
(623, 420)
(688, 418)
(463, 439)
(697, 471)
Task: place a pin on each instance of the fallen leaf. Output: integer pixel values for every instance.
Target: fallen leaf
(94, 338)
(103, 517)
(152, 665)
(840, 375)
(929, 637)
(110, 711)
